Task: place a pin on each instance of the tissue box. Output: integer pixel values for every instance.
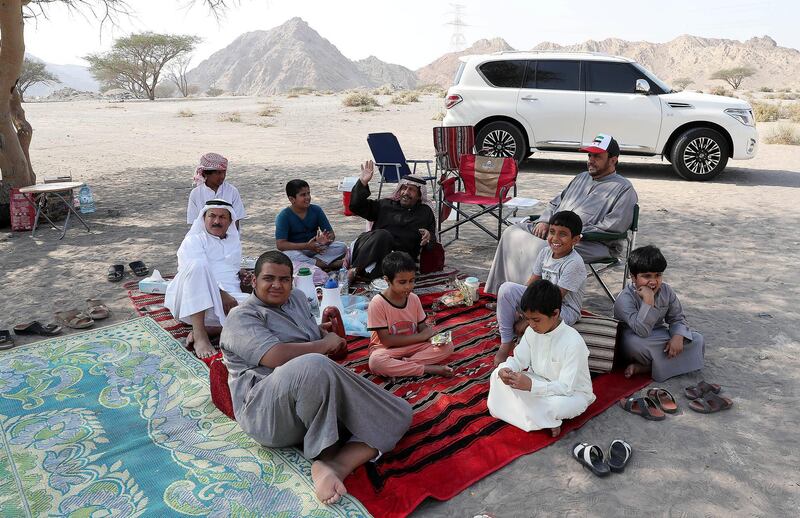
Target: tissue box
(153, 286)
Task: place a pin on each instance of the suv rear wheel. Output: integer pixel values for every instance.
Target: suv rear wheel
(699, 154)
(502, 139)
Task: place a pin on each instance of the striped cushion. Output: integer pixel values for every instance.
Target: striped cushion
(486, 176)
(600, 335)
(451, 143)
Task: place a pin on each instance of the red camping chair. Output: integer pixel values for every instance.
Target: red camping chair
(450, 143)
(486, 182)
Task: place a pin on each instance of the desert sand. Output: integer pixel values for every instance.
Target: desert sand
(731, 244)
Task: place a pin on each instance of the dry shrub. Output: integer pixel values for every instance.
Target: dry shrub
(721, 90)
(186, 113)
(292, 96)
(362, 99)
(791, 111)
(300, 90)
(431, 89)
(383, 90)
(405, 97)
(230, 117)
(214, 92)
(270, 110)
(366, 108)
(438, 116)
(783, 134)
(765, 89)
(765, 112)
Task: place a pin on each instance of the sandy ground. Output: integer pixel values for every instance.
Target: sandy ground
(731, 244)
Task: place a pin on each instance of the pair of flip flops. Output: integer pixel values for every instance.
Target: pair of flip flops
(653, 406)
(705, 398)
(117, 271)
(592, 457)
(37, 328)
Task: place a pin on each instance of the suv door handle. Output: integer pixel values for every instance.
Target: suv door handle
(529, 98)
(596, 101)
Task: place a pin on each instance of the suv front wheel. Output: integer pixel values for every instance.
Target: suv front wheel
(699, 154)
(501, 139)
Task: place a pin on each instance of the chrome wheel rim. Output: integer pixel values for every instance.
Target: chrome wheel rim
(499, 143)
(702, 155)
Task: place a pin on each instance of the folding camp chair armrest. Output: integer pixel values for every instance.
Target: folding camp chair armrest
(449, 181)
(395, 164)
(602, 236)
(419, 161)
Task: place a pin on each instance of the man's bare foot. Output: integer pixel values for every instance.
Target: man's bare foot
(203, 348)
(327, 484)
(635, 368)
(555, 431)
(503, 353)
(439, 370)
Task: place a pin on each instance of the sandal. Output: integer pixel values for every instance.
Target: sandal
(591, 457)
(711, 403)
(74, 318)
(37, 328)
(643, 406)
(115, 272)
(139, 268)
(96, 310)
(664, 399)
(6, 340)
(619, 453)
(699, 390)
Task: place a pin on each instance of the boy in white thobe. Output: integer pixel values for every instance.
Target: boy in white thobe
(207, 284)
(547, 380)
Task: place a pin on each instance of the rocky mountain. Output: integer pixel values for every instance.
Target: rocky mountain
(288, 56)
(76, 77)
(380, 73)
(442, 71)
(685, 56)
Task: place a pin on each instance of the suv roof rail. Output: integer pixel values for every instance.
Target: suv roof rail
(553, 51)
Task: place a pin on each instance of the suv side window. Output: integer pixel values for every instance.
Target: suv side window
(612, 77)
(554, 75)
(504, 74)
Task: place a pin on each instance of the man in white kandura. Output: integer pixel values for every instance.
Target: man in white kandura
(207, 285)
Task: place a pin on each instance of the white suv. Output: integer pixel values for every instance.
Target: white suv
(520, 102)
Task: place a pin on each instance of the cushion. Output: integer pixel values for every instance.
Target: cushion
(600, 334)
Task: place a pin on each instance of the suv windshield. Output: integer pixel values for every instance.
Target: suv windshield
(651, 77)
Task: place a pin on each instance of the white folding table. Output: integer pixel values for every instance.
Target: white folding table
(58, 190)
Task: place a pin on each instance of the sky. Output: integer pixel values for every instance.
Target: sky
(415, 32)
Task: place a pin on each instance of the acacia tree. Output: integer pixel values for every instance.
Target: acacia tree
(15, 131)
(681, 83)
(136, 61)
(34, 72)
(733, 76)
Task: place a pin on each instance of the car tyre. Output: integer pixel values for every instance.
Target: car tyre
(699, 154)
(502, 139)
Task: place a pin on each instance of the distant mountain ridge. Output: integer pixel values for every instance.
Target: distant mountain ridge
(685, 56)
(288, 56)
(73, 76)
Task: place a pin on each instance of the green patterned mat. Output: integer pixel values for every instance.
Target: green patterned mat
(118, 421)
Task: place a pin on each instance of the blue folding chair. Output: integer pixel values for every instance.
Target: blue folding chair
(392, 163)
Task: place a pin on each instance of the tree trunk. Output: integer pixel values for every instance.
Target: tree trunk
(14, 163)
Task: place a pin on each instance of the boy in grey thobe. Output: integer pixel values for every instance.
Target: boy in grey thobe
(307, 399)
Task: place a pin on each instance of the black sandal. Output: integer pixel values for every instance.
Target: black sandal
(6, 340)
(701, 389)
(591, 457)
(115, 272)
(664, 399)
(619, 453)
(139, 268)
(643, 406)
(37, 328)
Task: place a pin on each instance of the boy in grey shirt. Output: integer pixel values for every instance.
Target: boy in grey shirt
(560, 264)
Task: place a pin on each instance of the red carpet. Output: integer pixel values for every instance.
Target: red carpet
(453, 441)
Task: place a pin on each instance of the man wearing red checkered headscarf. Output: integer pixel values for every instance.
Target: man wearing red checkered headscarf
(210, 184)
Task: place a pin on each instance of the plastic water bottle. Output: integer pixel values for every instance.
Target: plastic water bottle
(344, 284)
(87, 200)
(332, 282)
(305, 283)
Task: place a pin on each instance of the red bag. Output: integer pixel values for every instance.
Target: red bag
(431, 258)
(23, 213)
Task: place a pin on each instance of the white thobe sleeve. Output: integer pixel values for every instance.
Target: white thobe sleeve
(522, 356)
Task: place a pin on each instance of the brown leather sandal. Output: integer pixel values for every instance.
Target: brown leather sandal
(711, 403)
(699, 390)
(96, 310)
(643, 406)
(74, 318)
(664, 399)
